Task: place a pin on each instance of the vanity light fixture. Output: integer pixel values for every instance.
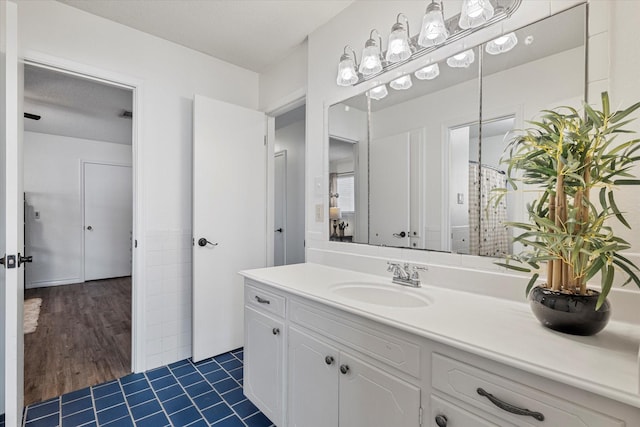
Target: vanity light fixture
(347, 74)
(402, 83)
(371, 62)
(434, 30)
(378, 92)
(475, 13)
(399, 48)
(429, 72)
(462, 60)
(502, 44)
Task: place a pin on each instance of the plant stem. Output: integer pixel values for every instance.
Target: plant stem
(559, 277)
(550, 264)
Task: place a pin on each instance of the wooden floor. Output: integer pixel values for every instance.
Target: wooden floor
(83, 338)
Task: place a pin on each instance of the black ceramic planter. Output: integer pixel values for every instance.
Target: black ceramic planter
(571, 314)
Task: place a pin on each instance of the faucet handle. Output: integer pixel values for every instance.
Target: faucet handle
(391, 266)
(416, 268)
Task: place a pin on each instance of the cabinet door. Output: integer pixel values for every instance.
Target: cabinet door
(313, 382)
(263, 363)
(370, 397)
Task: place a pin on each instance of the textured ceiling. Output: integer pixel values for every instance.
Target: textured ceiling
(76, 107)
(253, 34)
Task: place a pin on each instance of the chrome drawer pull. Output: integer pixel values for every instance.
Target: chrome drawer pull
(262, 300)
(510, 408)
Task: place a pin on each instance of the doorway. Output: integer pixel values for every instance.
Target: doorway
(289, 193)
(79, 202)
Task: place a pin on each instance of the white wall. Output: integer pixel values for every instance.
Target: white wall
(52, 184)
(291, 139)
(170, 75)
(613, 64)
(285, 81)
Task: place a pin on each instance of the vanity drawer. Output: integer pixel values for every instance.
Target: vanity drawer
(264, 300)
(464, 381)
(456, 416)
(391, 350)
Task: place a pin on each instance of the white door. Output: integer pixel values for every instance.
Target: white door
(389, 180)
(370, 397)
(108, 220)
(280, 208)
(313, 382)
(264, 356)
(11, 230)
(229, 219)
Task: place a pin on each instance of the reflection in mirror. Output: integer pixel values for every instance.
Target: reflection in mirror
(348, 182)
(545, 69)
(433, 154)
(410, 153)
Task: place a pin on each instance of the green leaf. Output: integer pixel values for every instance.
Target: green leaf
(607, 281)
(605, 103)
(632, 275)
(532, 282)
(616, 211)
(627, 182)
(513, 267)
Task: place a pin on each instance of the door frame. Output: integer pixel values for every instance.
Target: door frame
(138, 284)
(84, 162)
(281, 153)
(284, 105)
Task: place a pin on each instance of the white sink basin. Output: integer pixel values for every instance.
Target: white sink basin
(381, 294)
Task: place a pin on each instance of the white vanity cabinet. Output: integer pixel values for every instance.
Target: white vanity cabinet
(264, 351)
(314, 362)
(330, 387)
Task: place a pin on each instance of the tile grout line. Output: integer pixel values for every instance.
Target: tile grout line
(126, 403)
(224, 401)
(153, 390)
(187, 394)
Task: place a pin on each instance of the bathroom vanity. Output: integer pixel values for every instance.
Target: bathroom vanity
(327, 347)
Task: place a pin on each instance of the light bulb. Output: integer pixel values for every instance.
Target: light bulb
(370, 63)
(461, 60)
(502, 44)
(401, 83)
(378, 92)
(429, 72)
(347, 74)
(399, 48)
(433, 31)
(475, 13)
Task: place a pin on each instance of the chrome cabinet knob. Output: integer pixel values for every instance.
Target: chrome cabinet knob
(344, 369)
(329, 360)
(441, 421)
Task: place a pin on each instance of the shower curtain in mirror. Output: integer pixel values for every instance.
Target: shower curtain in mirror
(488, 235)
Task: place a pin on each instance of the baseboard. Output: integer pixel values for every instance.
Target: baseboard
(48, 283)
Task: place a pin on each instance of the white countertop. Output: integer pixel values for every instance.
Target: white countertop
(500, 330)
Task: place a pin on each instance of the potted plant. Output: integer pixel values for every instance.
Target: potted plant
(577, 161)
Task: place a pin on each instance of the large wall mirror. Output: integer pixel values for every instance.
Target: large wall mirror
(416, 167)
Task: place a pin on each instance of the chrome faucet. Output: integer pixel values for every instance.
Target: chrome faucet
(405, 274)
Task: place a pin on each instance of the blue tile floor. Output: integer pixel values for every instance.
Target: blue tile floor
(207, 393)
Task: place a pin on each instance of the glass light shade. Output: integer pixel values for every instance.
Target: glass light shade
(378, 92)
(433, 31)
(399, 48)
(370, 63)
(347, 74)
(334, 213)
(401, 83)
(461, 60)
(475, 13)
(429, 72)
(502, 44)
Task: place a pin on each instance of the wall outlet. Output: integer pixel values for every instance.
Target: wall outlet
(320, 212)
(317, 186)
(37, 214)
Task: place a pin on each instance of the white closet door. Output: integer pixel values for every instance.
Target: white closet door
(229, 213)
(11, 225)
(108, 220)
(280, 208)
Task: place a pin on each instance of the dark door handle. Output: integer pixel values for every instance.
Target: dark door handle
(441, 421)
(204, 242)
(24, 259)
(509, 407)
(279, 230)
(344, 369)
(400, 234)
(89, 227)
